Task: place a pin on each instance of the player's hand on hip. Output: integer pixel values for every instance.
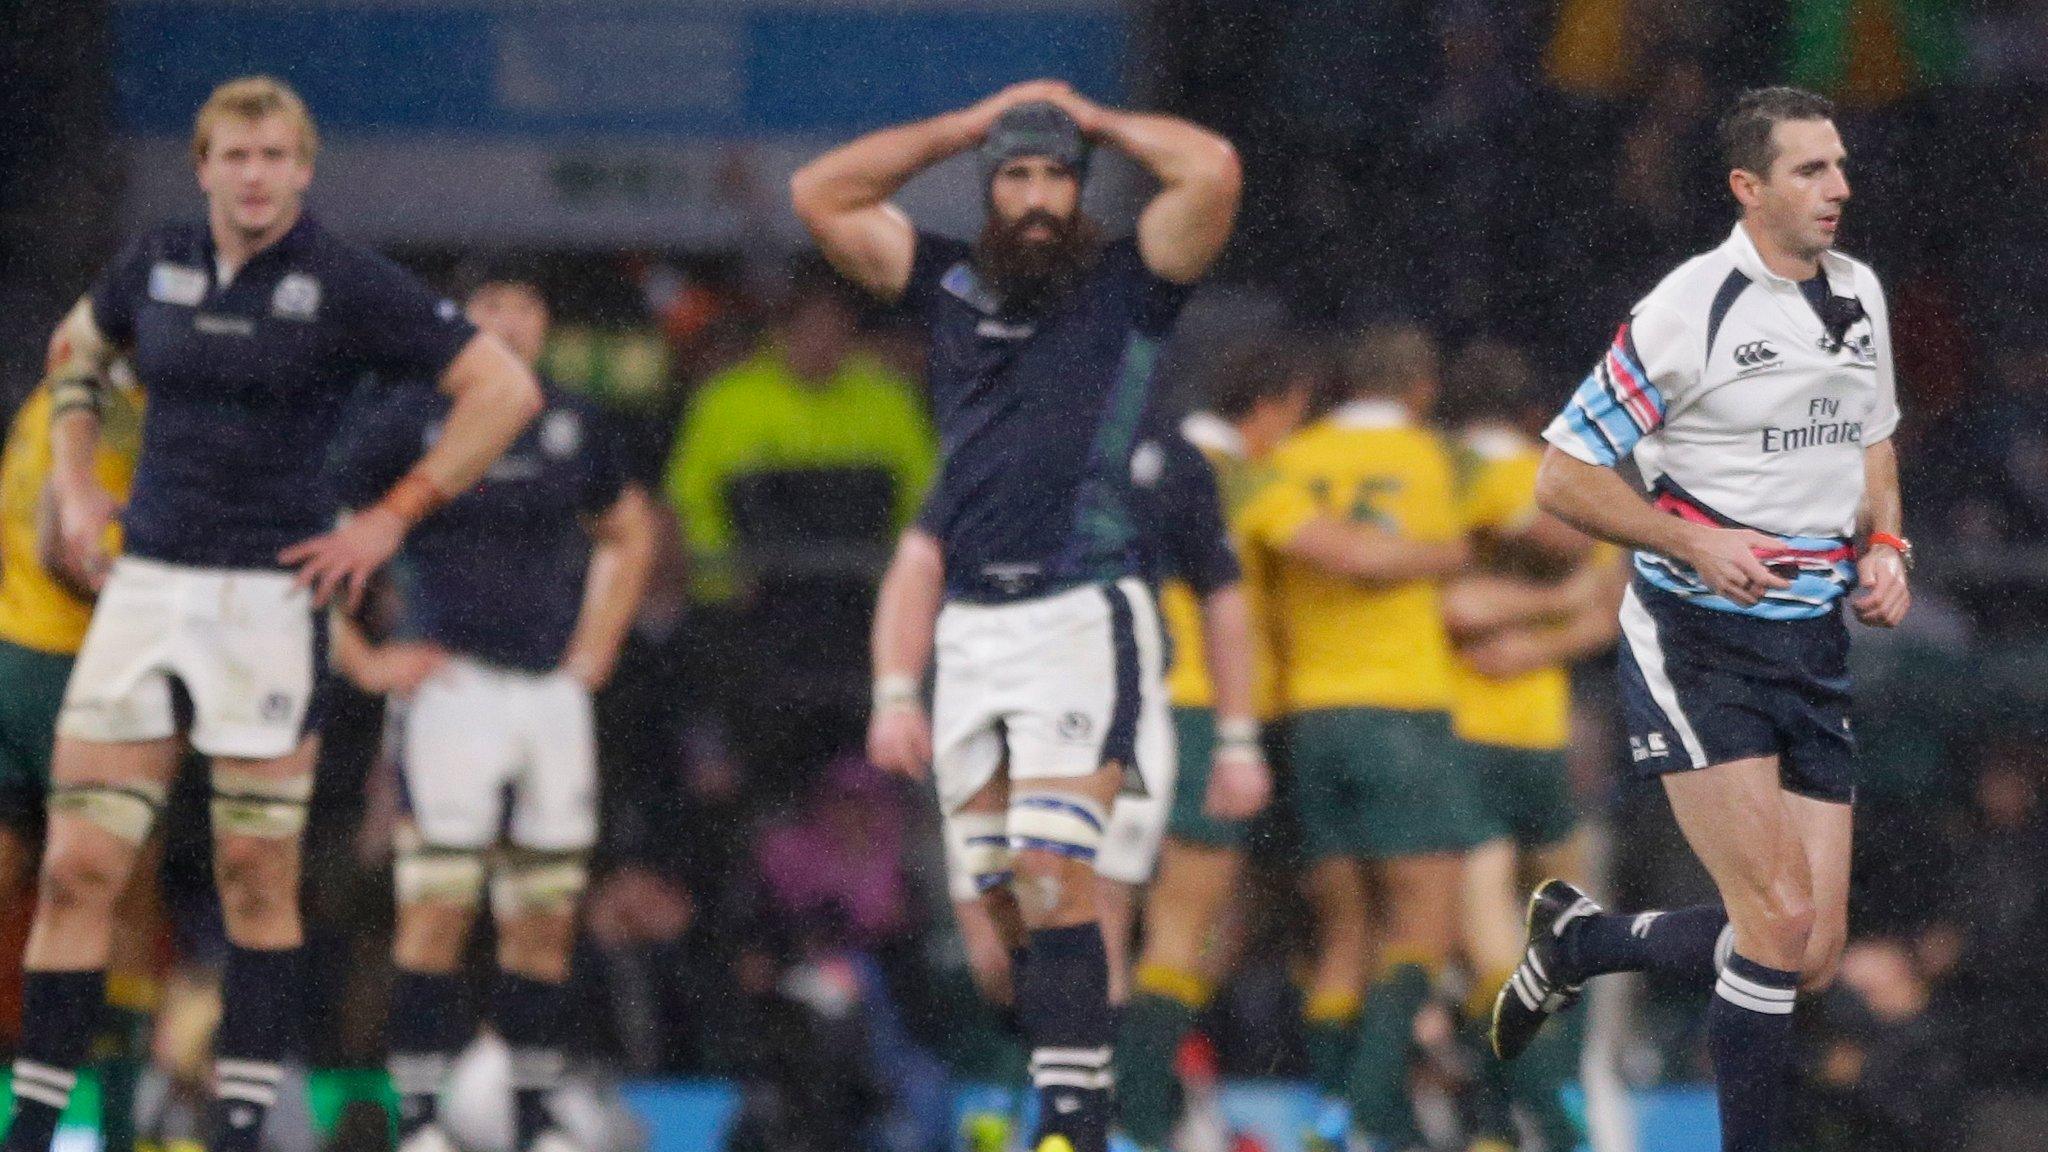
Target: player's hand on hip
(1728, 561)
(1882, 593)
(900, 740)
(338, 565)
(1239, 782)
(84, 514)
(399, 669)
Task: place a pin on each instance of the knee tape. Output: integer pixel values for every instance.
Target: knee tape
(981, 848)
(128, 811)
(248, 804)
(528, 882)
(438, 875)
(1057, 822)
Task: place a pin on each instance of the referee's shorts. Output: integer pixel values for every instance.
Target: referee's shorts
(1701, 686)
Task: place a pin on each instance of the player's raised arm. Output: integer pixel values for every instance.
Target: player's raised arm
(76, 372)
(1184, 227)
(843, 196)
(496, 396)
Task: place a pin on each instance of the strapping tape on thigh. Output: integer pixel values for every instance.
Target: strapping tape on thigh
(424, 874)
(981, 844)
(126, 810)
(251, 804)
(1061, 823)
(530, 881)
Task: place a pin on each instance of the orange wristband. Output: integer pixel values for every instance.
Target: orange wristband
(414, 498)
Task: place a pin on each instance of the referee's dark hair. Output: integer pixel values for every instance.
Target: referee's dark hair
(1253, 371)
(1746, 142)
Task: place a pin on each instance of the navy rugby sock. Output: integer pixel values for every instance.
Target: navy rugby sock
(261, 1026)
(531, 1014)
(1749, 1033)
(424, 1034)
(1063, 1001)
(1679, 943)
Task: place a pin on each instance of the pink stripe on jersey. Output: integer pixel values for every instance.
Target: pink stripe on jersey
(1634, 396)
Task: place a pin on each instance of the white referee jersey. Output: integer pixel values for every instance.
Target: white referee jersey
(1740, 409)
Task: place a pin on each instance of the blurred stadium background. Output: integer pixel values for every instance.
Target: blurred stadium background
(1520, 169)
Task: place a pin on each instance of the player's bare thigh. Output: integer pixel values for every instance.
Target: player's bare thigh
(1735, 817)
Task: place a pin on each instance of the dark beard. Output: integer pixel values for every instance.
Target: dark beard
(1029, 274)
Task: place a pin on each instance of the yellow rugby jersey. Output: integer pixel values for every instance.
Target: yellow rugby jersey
(36, 611)
(1497, 473)
(1258, 509)
(1350, 644)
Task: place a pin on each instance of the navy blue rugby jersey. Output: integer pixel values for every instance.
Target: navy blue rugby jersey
(1038, 415)
(1180, 510)
(247, 380)
(497, 573)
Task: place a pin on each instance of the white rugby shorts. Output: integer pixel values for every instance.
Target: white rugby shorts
(1053, 688)
(474, 735)
(246, 645)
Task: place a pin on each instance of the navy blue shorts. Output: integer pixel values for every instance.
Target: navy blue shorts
(1701, 687)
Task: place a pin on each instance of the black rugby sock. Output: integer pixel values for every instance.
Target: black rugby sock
(1063, 1001)
(261, 1026)
(424, 1033)
(530, 1014)
(57, 1014)
(1749, 1033)
(1679, 943)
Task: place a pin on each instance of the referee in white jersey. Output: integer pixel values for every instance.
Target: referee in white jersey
(1753, 388)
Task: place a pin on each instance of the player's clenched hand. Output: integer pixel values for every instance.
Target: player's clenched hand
(1239, 782)
(1882, 595)
(900, 740)
(338, 565)
(84, 513)
(399, 669)
(1726, 559)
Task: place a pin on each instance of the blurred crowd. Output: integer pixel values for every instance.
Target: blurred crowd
(1491, 170)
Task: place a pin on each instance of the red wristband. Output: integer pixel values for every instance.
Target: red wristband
(1895, 543)
(414, 498)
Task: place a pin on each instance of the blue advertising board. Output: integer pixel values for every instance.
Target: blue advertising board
(726, 70)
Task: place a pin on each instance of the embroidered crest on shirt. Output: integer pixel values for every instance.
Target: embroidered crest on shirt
(297, 297)
(176, 284)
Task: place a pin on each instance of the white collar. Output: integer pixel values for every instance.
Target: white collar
(1208, 431)
(1371, 412)
(1494, 439)
(1750, 262)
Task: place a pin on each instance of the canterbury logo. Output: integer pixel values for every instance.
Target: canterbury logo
(1754, 353)
(1640, 926)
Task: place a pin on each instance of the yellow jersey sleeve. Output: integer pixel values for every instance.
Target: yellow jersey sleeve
(1500, 493)
(35, 610)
